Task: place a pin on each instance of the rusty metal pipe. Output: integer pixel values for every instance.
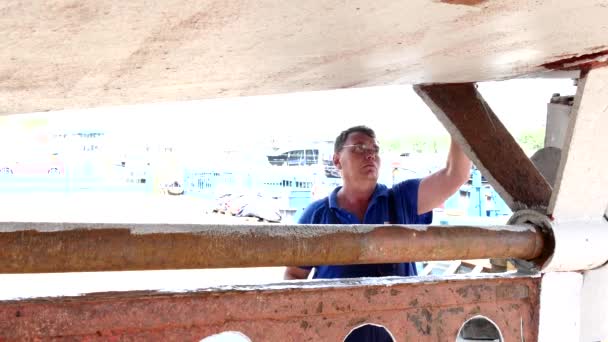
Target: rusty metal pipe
(73, 247)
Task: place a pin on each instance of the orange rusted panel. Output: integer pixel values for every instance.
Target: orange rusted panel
(412, 309)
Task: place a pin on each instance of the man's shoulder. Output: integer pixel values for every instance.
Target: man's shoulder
(314, 209)
(405, 193)
(320, 203)
(407, 187)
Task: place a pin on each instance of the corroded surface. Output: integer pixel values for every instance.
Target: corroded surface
(412, 310)
(49, 247)
(75, 54)
(490, 146)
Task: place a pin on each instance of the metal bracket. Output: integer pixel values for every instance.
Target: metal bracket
(542, 222)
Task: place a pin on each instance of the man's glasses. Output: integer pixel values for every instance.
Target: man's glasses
(363, 148)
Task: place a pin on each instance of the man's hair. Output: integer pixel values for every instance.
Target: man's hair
(341, 139)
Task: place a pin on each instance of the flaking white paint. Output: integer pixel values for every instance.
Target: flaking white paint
(272, 230)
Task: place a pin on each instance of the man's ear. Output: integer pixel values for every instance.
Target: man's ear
(337, 161)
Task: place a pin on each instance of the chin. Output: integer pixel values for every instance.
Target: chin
(373, 176)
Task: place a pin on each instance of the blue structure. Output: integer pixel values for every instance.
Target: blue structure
(483, 204)
(476, 194)
(295, 186)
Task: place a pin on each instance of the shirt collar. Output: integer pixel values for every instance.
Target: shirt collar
(380, 191)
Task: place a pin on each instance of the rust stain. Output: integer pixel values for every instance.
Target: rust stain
(271, 314)
(108, 247)
(369, 293)
(474, 290)
(422, 321)
(356, 321)
(580, 62)
(463, 2)
(475, 310)
(456, 310)
(511, 291)
(515, 306)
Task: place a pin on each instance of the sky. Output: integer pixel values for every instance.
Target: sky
(393, 111)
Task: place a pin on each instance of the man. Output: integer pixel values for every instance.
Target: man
(361, 200)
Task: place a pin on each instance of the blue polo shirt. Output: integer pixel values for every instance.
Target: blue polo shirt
(405, 204)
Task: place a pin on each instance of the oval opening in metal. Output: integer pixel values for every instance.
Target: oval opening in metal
(227, 336)
(479, 328)
(369, 332)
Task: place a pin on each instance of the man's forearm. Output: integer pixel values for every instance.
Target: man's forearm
(436, 188)
(292, 273)
(458, 164)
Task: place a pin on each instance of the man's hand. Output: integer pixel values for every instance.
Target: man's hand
(292, 272)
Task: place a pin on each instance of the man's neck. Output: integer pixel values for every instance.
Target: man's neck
(355, 199)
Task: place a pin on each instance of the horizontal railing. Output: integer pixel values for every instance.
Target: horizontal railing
(73, 247)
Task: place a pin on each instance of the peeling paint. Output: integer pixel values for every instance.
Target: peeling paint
(110, 247)
(369, 293)
(511, 292)
(422, 320)
(475, 291)
(582, 62)
(356, 321)
(456, 310)
(315, 285)
(276, 314)
(463, 2)
(305, 230)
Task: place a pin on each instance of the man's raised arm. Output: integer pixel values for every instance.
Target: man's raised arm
(436, 188)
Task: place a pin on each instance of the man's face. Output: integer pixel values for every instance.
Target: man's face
(358, 160)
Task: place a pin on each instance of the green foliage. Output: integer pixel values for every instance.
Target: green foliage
(531, 140)
(416, 143)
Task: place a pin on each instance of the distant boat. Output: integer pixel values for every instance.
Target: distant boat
(175, 189)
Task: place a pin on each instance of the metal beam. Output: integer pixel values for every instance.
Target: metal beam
(581, 190)
(471, 121)
(54, 247)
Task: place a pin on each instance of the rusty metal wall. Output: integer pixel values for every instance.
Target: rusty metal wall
(412, 309)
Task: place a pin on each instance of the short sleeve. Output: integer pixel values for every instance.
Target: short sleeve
(311, 215)
(406, 202)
